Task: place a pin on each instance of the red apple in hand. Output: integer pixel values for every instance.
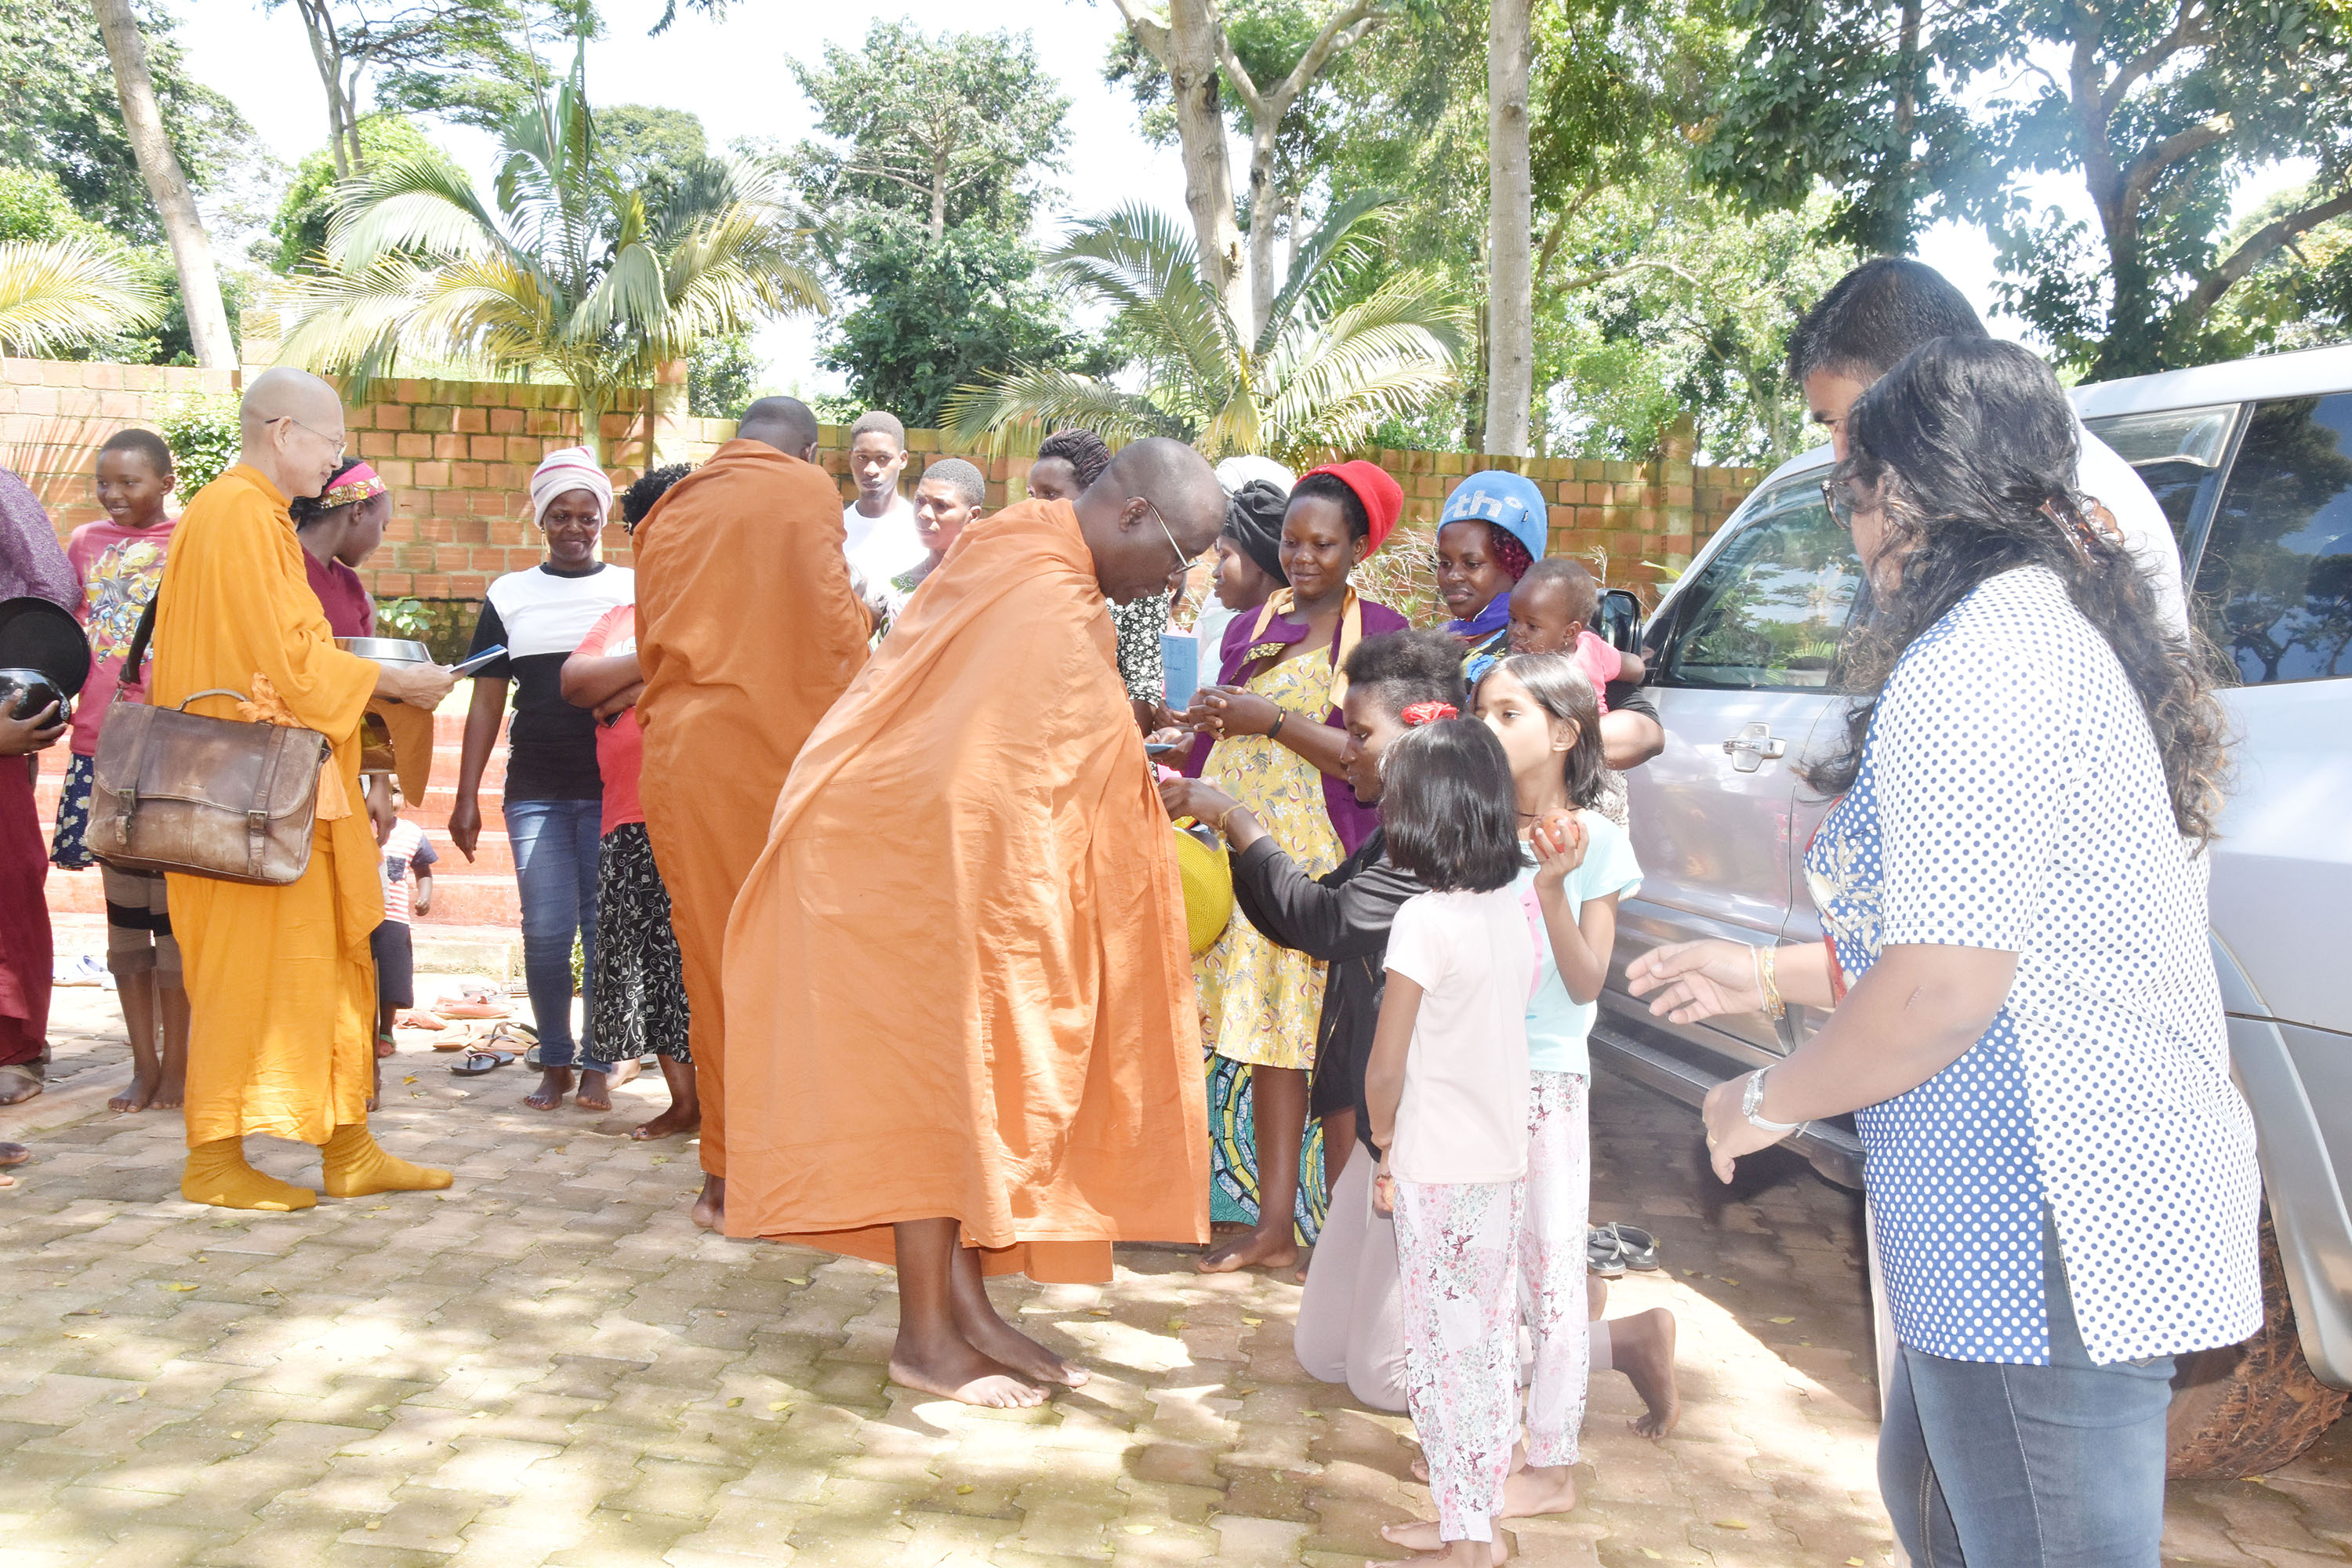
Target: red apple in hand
(1560, 831)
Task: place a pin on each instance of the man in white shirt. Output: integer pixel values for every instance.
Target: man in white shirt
(1888, 306)
(878, 529)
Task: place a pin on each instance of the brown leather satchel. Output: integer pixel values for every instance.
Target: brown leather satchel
(175, 791)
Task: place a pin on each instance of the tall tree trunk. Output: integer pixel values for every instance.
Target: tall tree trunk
(939, 197)
(1265, 217)
(167, 186)
(1192, 65)
(1510, 224)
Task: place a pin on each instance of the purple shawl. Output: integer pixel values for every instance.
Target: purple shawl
(1351, 822)
(32, 563)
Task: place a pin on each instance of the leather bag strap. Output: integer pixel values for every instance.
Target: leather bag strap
(257, 815)
(138, 640)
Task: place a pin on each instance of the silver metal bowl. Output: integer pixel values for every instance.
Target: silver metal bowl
(388, 650)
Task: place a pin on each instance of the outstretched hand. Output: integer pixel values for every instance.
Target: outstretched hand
(1203, 802)
(1689, 981)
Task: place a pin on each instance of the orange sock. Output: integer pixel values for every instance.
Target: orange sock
(216, 1174)
(357, 1166)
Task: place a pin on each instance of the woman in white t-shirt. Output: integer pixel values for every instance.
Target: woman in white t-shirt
(1447, 1089)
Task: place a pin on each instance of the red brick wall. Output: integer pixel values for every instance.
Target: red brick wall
(458, 456)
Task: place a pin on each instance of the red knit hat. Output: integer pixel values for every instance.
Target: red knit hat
(1382, 497)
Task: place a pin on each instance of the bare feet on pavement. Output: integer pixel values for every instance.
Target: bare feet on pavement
(953, 1369)
(597, 1087)
(1642, 1348)
(1000, 1341)
(1421, 1538)
(554, 1083)
(1527, 1493)
(709, 1209)
(1257, 1248)
(670, 1123)
(147, 1092)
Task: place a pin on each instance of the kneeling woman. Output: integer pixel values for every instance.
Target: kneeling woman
(2026, 1022)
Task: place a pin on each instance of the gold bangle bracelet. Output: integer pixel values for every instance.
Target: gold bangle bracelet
(1768, 965)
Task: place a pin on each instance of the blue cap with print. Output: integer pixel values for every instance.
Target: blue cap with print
(1510, 501)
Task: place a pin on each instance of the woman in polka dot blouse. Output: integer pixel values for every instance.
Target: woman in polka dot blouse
(2026, 1022)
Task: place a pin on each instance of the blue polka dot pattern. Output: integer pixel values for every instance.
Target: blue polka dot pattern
(2031, 817)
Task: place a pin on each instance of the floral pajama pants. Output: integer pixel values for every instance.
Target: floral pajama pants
(1551, 1264)
(1458, 1269)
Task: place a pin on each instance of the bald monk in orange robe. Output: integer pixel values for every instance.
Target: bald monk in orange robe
(963, 1036)
(281, 988)
(747, 630)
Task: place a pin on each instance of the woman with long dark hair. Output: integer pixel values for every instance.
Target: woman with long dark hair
(2026, 1020)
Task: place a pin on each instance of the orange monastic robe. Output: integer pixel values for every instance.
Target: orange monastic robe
(747, 630)
(281, 990)
(958, 975)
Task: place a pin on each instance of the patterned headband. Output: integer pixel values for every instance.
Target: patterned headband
(359, 483)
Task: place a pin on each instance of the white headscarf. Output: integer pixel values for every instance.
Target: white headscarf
(1235, 472)
(570, 469)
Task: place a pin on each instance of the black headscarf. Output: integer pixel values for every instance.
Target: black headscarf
(1253, 522)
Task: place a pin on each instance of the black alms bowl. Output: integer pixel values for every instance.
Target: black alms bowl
(24, 692)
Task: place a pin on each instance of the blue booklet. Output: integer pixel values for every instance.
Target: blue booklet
(1179, 656)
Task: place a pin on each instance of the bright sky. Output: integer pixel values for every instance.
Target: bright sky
(732, 74)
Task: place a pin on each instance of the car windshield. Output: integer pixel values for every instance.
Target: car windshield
(1770, 608)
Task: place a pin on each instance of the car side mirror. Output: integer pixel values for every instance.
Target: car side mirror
(1618, 620)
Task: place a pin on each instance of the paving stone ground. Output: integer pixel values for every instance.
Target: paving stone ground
(549, 1365)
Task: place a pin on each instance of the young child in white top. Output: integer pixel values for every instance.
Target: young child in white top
(1447, 1089)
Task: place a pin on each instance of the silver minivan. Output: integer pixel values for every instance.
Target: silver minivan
(2252, 463)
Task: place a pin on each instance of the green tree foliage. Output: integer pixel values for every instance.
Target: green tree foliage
(2301, 295)
(562, 268)
(298, 235)
(963, 127)
(202, 435)
(59, 294)
(1679, 309)
(934, 314)
(645, 146)
(1322, 371)
(141, 322)
(478, 63)
(59, 112)
(1911, 112)
(719, 376)
(939, 152)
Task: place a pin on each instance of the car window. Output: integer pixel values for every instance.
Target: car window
(1770, 608)
(2274, 583)
(2176, 453)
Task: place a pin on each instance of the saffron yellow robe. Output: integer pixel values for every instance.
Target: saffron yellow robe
(281, 989)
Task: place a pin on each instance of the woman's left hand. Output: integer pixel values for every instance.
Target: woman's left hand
(1729, 1133)
(1222, 712)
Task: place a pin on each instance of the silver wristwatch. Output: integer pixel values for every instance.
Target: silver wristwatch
(1752, 1105)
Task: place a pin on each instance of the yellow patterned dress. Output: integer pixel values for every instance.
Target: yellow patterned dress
(1260, 1003)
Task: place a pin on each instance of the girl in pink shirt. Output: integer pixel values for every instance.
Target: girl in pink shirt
(1446, 1087)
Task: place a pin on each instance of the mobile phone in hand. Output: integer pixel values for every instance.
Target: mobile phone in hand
(487, 657)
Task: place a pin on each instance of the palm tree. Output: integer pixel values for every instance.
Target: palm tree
(562, 269)
(60, 294)
(1322, 371)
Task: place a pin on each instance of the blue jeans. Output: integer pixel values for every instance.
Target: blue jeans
(2027, 1466)
(555, 844)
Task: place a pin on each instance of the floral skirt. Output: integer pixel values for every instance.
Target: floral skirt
(640, 987)
(67, 850)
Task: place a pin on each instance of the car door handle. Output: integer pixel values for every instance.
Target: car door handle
(1753, 747)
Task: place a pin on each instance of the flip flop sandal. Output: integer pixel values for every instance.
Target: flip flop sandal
(1637, 1246)
(1603, 1254)
(473, 1009)
(13, 1154)
(385, 1046)
(478, 1062)
(416, 1018)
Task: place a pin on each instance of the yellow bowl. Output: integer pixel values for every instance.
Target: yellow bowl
(1208, 886)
